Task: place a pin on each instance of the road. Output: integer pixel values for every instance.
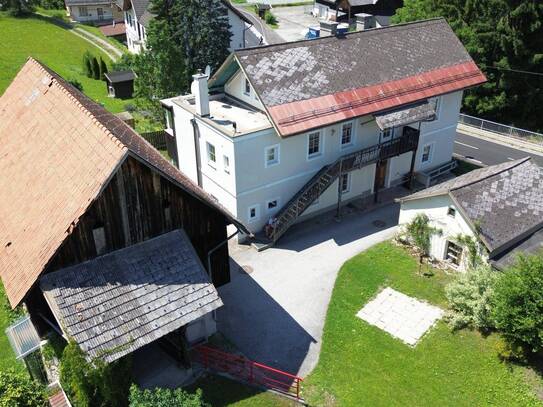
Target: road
(489, 153)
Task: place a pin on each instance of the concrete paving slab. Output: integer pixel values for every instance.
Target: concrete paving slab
(403, 317)
(275, 314)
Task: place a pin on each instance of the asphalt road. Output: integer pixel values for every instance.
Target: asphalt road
(487, 152)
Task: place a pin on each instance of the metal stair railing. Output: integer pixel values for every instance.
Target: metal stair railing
(329, 173)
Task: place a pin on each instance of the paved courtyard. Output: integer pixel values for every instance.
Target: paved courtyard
(293, 21)
(276, 304)
(403, 317)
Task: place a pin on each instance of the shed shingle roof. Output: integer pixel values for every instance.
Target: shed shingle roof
(117, 303)
(504, 201)
(58, 149)
(312, 83)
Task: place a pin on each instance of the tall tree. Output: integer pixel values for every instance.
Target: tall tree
(504, 37)
(184, 36)
(17, 8)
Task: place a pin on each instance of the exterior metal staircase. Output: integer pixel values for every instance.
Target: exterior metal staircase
(292, 210)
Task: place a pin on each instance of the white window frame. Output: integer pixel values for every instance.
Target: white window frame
(274, 209)
(210, 162)
(83, 11)
(257, 213)
(430, 154)
(226, 163)
(319, 153)
(390, 134)
(277, 155)
(168, 116)
(245, 84)
(348, 187)
(351, 142)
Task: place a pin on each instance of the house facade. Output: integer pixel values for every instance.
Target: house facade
(137, 18)
(95, 11)
(114, 247)
(268, 138)
(498, 207)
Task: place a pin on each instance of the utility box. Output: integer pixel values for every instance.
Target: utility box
(328, 28)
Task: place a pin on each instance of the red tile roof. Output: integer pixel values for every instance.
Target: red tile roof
(300, 116)
(111, 30)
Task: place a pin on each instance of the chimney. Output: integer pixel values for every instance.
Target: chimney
(364, 21)
(200, 92)
(328, 28)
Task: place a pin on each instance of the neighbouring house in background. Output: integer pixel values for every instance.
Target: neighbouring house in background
(101, 237)
(115, 29)
(120, 84)
(137, 18)
(294, 129)
(93, 11)
(378, 12)
(501, 206)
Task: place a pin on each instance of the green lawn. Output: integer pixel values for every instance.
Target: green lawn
(362, 365)
(7, 357)
(61, 50)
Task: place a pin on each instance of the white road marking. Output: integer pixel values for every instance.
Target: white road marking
(467, 145)
(509, 158)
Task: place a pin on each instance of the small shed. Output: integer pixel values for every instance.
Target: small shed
(120, 84)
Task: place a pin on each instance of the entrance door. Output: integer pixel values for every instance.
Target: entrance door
(100, 12)
(380, 174)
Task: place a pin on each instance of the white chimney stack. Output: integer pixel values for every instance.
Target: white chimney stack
(201, 93)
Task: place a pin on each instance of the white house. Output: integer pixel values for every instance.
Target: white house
(137, 18)
(500, 206)
(290, 129)
(95, 11)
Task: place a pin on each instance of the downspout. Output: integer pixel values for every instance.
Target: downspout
(215, 249)
(196, 133)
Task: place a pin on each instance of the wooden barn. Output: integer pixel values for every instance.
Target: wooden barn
(120, 84)
(100, 236)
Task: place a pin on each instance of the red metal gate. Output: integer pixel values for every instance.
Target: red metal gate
(248, 371)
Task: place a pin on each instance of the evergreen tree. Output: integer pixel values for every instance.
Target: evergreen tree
(95, 68)
(184, 36)
(87, 64)
(501, 35)
(103, 69)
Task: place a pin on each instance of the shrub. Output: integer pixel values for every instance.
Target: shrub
(103, 69)
(52, 4)
(95, 68)
(165, 398)
(76, 84)
(510, 352)
(87, 64)
(517, 304)
(270, 18)
(124, 63)
(469, 297)
(419, 233)
(94, 384)
(16, 389)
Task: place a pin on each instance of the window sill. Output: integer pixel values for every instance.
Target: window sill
(272, 164)
(314, 156)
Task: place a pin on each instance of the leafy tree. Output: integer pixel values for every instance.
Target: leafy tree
(103, 69)
(17, 390)
(95, 68)
(165, 398)
(469, 296)
(501, 35)
(87, 64)
(517, 304)
(184, 36)
(52, 4)
(17, 8)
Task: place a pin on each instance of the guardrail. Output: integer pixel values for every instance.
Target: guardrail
(248, 371)
(502, 129)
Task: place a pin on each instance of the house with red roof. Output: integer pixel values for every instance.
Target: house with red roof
(286, 131)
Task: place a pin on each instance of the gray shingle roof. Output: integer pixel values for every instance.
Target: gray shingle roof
(529, 246)
(301, 70)
(504, 201)
(117, 303)
(140, 7)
